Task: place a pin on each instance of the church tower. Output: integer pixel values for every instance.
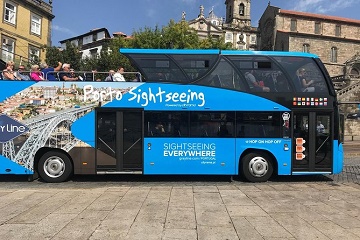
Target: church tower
(238, 12)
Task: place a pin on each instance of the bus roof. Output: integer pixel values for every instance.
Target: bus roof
(215, 51)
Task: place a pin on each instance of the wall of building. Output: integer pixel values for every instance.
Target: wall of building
(21, 33)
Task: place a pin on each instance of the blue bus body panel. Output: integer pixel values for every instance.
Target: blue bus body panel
(338, 157)
(171, 97)
(275, 146)
(169, 51)
(84, 128)
(269, 53)
(208, 155)
(214, 51)
(9, 167)
(189, 156)
(16, 86)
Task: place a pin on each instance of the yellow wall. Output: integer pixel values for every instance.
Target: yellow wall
(21, 33)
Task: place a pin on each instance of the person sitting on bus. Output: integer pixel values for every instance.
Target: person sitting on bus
(48, 72)
(110, 77)
(66, 75)
(241, 132)
(320, 127)
(257, 85)
(158, 130)
(8, 72)
(36, 74)
(20, 75)
(118, 76)
(223, 131)
(304, 82)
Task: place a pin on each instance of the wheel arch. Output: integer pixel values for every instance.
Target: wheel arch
(259, 151)
(44, 150)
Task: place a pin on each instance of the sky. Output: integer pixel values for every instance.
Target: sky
(76, 17)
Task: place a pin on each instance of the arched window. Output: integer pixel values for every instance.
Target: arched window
(333, 54)
(306, 47)
(241, 9)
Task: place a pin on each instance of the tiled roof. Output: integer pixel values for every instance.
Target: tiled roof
(320, 16)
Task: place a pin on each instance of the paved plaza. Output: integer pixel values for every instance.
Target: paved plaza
(170, 207)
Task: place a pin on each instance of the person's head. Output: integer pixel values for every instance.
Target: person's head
(43, 65)
(66, 67)
(111, 72)
(10, 64)
(302, 71)
(21, 68)
(121, 70)
(35, 68)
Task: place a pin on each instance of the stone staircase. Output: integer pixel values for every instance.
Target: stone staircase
(348, 95)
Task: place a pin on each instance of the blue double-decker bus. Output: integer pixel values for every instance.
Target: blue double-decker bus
(193, 112)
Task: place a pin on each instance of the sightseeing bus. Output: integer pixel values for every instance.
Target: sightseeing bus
(192, 112)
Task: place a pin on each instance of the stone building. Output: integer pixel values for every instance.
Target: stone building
(335, 40)
(235, 28)
(25, 28)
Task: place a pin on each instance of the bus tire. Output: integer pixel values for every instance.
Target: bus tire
(256, 167)
(54, 167)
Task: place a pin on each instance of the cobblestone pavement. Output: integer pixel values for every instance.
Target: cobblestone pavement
(176, 207)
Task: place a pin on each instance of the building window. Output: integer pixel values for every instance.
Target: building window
(93, 53)
(293, 25)
(34, 54)
(35, 24)
(7, 51)
(317, 28)
(94, 37)
(253, 39)
(306, 47)
(228, 37)
(338, 30)
(10, 13)
(333, 54)
(230, 11)
(241, 9)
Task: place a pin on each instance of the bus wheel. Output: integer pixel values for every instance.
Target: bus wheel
(256, 167)
(54, 167)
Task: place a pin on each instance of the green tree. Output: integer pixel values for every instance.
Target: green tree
(70, 55)
(53, 56)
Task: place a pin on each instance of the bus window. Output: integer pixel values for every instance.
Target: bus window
(261, 74)
(212, 124)
(305, 74)
(223, 76)
(266, 125)
(166, 124)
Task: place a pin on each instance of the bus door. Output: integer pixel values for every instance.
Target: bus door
(312, 142)
(119, 140)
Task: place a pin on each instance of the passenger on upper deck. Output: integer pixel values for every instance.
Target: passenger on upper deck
(20, 75)
(66, 75)
(118, 76)
(8, 72)
(255, 83)
(109, 78)
(35, 73)
(304, 82)
(48, 72)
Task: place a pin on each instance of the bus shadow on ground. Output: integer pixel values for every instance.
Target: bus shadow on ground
(206, 179)
(186, 179)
